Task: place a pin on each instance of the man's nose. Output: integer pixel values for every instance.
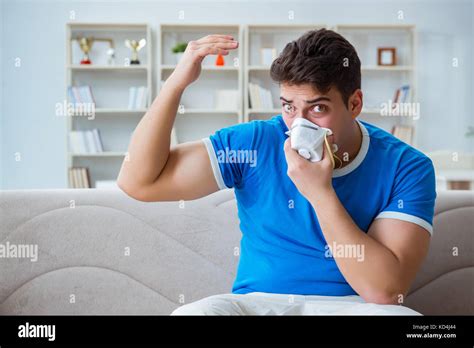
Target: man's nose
(303, 116)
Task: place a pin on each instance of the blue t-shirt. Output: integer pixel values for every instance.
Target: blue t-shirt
(282, 248)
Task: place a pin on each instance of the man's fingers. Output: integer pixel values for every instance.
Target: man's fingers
(214, 37)
(289, 152)
(215, 40)
(211, 50)
(213, 44)
(222, 45)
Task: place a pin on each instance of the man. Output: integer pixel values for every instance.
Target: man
(314, 239)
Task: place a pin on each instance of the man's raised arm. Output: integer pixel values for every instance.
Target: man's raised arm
(153, 172)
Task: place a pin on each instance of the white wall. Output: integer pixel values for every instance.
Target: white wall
(35, 32)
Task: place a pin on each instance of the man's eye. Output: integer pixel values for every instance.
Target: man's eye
(320, 108)
(287, 107)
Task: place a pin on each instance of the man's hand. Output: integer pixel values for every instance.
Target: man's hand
(312, 179)
(189, 67)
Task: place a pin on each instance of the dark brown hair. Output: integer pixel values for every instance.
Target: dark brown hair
(322, 58)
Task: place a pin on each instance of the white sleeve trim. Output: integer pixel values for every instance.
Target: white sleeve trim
(406, 217)
(214, 163)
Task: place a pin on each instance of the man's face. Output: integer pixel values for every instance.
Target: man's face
(325, 110)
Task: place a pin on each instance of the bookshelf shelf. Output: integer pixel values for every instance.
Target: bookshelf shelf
(110, 82)
(108, 67)
(204, 67)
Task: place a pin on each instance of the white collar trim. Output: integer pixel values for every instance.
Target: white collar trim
(364, 148)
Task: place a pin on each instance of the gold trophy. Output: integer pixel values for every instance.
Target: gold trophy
(135, 46)
(85, 43)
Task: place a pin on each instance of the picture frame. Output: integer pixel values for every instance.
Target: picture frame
(386, 56)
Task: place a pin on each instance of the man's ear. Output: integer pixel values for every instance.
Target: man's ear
(355, 103)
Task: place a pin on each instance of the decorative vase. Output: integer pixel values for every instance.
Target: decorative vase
(220, 60)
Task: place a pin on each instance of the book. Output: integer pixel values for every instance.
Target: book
(79, 177)
(80, 95)
(88, 141)
(401, 94)
(71, 178)
(137, 97)
(85, 177)
(132, 91)
(260, 98)
(404, 92)
(97, 140)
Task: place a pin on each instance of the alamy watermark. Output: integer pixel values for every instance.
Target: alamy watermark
(237, 156)
(351, 251)
(400, 109)
(19, 251)
(75, 109)
(28, 330)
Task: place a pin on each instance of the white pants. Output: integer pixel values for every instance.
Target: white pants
(260, 303)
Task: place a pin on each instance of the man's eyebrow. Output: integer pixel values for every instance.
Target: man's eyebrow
(307, 101)
(317, 99)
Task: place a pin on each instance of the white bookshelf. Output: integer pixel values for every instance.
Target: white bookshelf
(379, 83)
(198, 116)
(110, 87)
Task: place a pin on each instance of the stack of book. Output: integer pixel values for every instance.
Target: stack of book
(85, 141)
(260, 98)
(80, 95)
(137, 98)
(404, 133)
(79, 177)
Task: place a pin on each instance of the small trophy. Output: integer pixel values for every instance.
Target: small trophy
(135, 46)
(111, 56)
(85, 43)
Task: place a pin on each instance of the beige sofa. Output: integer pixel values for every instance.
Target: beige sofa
(101, 252)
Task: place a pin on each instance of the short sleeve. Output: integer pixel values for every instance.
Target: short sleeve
(232, 154)
(414, 192)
